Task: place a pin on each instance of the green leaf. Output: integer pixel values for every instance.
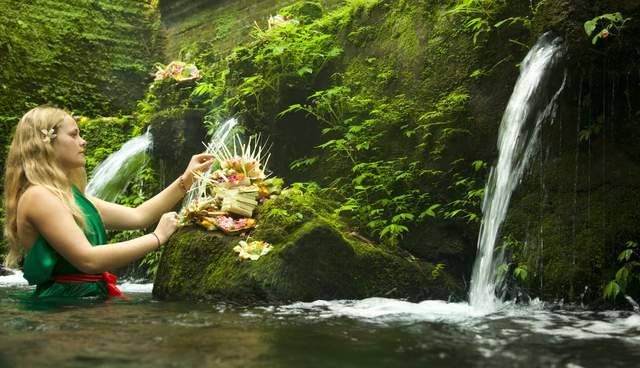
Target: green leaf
(478, 164)
(304, 70)
(328, 144)
(521, 272)
(294, 107)
(621, 277)
(612, 290)
(613, 17)
(590, 26)
(429, 211)
(502, 270)
(278, 50)
(394, 230)
(364, 146)
(376, 224)
(303, 162)
(334, 52)
(625, 255)
(402, 217)
(346, 207)
(452, 213)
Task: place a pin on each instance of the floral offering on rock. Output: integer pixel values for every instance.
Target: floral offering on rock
(252, 250)
(225, 198)
(278, 20)
(178, 70)
(232, 225)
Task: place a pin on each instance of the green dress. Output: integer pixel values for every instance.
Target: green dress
(42, 262)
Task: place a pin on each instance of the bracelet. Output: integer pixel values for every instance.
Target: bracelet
(158, 239)
(184, 187)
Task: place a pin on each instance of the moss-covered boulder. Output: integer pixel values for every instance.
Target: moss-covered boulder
(177, 135)
(303, 11)
(314, 257)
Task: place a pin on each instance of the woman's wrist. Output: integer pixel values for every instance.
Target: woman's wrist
(183, 184)
(157, 239)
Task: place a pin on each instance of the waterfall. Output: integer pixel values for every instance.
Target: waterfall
(218, 138)
(111, 177)
(531, 103)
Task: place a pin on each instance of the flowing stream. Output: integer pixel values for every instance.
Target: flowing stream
(111, 177)
(532, 102)
(374, 332)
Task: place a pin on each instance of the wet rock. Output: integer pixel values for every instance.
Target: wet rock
(313, 258)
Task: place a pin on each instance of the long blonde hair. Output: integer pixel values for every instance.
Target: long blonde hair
(31, 161)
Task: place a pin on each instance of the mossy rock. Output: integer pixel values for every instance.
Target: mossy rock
(304, 11)
(177, 135)
(313, 258)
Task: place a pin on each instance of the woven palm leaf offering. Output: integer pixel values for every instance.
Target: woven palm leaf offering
(225, 198)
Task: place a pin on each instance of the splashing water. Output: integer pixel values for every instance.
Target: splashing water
(111, 177)
(530, 104)
(218, 139)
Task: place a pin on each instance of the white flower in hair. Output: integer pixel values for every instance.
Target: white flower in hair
(48, 135)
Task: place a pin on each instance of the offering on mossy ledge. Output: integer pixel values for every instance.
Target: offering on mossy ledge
(181, 72)
(278, 20)
(227, 196)
(252, 249)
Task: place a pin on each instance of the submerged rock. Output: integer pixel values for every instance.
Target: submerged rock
(314, 257)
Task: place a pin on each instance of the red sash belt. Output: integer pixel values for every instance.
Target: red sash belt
(108, 277)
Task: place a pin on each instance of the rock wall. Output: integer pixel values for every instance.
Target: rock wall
(92, 57)
(191, 26)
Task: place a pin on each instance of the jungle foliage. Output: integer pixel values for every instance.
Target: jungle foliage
(337, 115)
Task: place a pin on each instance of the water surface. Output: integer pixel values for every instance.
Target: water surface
(375, 332)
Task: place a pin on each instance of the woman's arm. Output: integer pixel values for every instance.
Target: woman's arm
(117, 217)
(48, 215)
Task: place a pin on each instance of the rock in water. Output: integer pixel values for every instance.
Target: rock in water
(313, 258)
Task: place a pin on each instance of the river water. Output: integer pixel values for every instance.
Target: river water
(375, 332)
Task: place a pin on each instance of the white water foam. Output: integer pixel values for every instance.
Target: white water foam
(13, 280)
(127, 286)
(135, 287)
(385, 310)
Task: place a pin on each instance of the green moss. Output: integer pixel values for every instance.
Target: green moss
(313, 258)
(84, 57)
(180, 129)
(303, 11)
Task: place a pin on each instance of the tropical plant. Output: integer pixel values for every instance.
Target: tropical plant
(516, 264)
(630, 257)
(479, 14)
(608, 25)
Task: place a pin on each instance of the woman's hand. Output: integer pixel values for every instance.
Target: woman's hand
(200, 163)
(167, 226)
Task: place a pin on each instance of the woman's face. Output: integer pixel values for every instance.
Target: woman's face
(69, 145)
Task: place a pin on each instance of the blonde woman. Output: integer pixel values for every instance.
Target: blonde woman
(55, 229)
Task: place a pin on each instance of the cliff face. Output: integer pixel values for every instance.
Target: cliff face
(395, 107)
(93, 57)
(190, 26)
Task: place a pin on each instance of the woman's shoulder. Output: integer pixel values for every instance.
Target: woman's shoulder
(38, 197)
(37, 192)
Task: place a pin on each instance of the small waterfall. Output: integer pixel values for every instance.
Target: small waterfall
(218, 138)
(111, 177)
(530, 104)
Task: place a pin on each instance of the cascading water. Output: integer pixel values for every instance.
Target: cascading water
(219, 138)
(532, 102)
(114, 173)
